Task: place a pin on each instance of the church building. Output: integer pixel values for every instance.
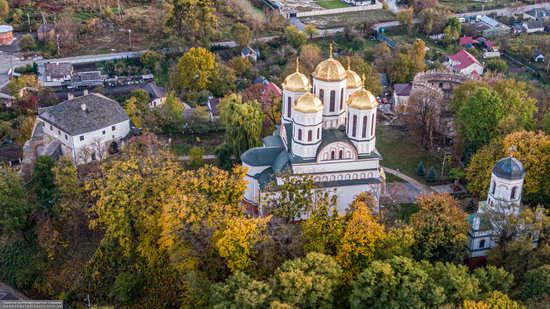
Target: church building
(327, 132)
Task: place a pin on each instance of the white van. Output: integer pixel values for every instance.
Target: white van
(462, 19)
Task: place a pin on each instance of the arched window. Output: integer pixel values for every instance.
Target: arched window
(289, 107)
(309, 135)
(354, 130)
(341, 99)
(372, 124)
(332, 100)
(482, 243)
(364, 134)
(318, 133)
(332, 155)
(299, 134)
(493, 189)
(322, 95)
(340, 154)
(513, 193)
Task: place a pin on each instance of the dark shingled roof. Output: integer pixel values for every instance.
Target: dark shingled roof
(154, 91)
(509, 168)
(58, 69)
(101, 112)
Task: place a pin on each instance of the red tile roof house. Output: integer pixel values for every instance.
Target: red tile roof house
(271, 91)
(467, 41)
(465, 63)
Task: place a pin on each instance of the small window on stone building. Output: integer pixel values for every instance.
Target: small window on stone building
(309, 136)
(81, 137)
(332, 100)
(340, 154)
(482, 243)
(58, 132)
(113, 128)
(103, 132)
(299, 134)
(51, 128)
(332, 155)
(66, 136)
(43, 124)
(513, 193)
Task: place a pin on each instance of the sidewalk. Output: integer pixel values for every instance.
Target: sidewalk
(424, 188)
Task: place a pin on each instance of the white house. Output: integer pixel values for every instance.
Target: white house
(532, 26)
(58, 71)
(156, 94)
(327, 132)
(84, 129)
(250, 53)
(401, 94)
(465, 63)
(538, 56)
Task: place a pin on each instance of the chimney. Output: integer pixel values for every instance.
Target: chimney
(85, 92)
(83, 107)
(70, 96)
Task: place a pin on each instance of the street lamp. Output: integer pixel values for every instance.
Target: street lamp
(57, 39)
(130, 37)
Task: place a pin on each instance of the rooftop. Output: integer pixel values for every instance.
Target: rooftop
(402, 89)
(154, 91)
(509, 168)
(58, 69)
(6, 28)
(464, 59)
(100, 112)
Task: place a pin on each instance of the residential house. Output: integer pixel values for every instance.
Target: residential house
(212, 105)
(156, 94)
(250, 53)
(541, 14)
(401, 94)
(84, 129)
(45, 32)
(271, 92)
(532, 26)
(538, 56)
(58, 71)
(467, 41)
(490, 27)
(465, 63)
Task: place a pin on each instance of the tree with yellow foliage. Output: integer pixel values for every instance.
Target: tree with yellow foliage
(195, 69)
(130, 107)
(360, 237)
(495, 300)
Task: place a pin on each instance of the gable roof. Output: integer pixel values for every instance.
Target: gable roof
(464, 59)
(402, 89)
(466, 40)
(154, 91)
(538, 13)
(247, 50)
(533, 24)
(271, 89)
(101, 112)
(58, 69)
(537, 53)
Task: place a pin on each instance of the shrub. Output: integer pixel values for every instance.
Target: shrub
(431, 177)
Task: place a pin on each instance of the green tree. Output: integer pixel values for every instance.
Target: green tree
(395, 283)
(476, 130)
(452, 30)
(324, 226)
(43, 182)
(405, 18)
(152, 60)
(420, 169)
(458, 284)
(26, 43)
(171, 114)
(431, 176)
(240, 291)
(243, 123)
(240, 65)
(13, 202)
(127, 288)
(195, 69)
(4, 9)
(308, 282)
(497, 66)
(130, 107)
(223, 82)
(241, 34)
(372, 80)
(537, 282)
(293, 198)
(196, 157)
(439, 229)
(310, 30)
(493, 300)
(295, 37)
(493, 278)
(191, 19)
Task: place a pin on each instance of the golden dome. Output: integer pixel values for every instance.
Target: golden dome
(330, 70)
(308, 103)
(353, 80)
(362, 99)
(296, 81)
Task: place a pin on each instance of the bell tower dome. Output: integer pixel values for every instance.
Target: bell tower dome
(307, 127)
(361, 123)
(294, 86)
(507, 179)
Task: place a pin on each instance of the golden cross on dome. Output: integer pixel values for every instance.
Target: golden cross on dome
(512, 149)
(330, 49)
(297, 64)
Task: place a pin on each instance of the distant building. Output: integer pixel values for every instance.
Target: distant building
(401, 94)
(212, 105)
(84, 129)
(156, 93)
(6, 35)
(465, 63)
(541, 14)
(538, 56)
(46, 32)
(489, 27)
(383, 77)
(467, 41)
(87, 79)
(271, 92)
(58, 71)
(532, 26)
(250, 53)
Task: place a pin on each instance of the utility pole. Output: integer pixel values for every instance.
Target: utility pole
(445, 153)
(29, 22)
(57, 39)
(130, 37)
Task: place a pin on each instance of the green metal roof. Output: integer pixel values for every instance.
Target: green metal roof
(280, 162)
(273, 141)
(330, 136)
(261, 156)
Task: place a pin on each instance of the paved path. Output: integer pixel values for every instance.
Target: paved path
(205, 157)
(424, 188)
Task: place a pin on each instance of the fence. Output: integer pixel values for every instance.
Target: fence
(385, 39)
(377, 6)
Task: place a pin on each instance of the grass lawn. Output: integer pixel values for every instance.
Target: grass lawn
(400, 151)
(331, 4)
(459, 6)
(351, 18)
(181, 144)
(393, 178)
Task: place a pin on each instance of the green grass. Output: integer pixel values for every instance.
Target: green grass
(181, 144)
(332, 4)
(393, 178)
(351, 18)
(458, 6)
(400, 151)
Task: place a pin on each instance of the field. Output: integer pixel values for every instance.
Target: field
(459, 6)
(351, 18)
(331, 4)
(400, 151)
